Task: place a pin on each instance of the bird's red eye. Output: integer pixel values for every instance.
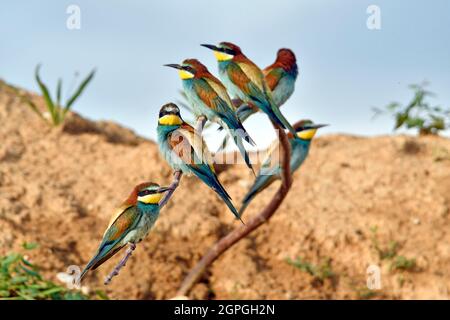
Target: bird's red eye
(190, 69)
(144, 193)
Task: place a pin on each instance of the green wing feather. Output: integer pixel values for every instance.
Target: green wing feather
(111, 242)
(201, 164)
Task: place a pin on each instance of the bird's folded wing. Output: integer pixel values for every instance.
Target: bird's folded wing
(123, 220)
(221, 92)
(238, 77)
(271, 162)
(213, 99)
(272, 77)
(252, 71)
(190, 147)
(119, 211)
(254, 90)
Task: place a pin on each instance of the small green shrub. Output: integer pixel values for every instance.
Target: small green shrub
(321, 272)
(390, 252)
(403, 263)
(56, 109)
(366, 293)
(20, 280)
(418, 113)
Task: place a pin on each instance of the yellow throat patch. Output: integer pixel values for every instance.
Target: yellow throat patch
(307, 134)
(170, 120)
(222, 56)
(151, 198)
(185, 74)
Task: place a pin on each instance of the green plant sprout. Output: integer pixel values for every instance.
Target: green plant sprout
(320, 272)
(418, 114)
(20, 280)
(366, 293)
(390, 253)
(403, 263)
(56, 109)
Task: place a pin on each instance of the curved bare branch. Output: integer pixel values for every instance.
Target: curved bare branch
(239, 233)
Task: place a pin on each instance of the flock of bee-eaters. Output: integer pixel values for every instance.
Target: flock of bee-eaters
(243, 90)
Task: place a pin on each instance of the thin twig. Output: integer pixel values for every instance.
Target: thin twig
(239, 233)
(121, 264)
(201, 121)
(176, 181)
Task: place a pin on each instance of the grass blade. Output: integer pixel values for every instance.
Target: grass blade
(47, 98)
(79, 91)
(27, 100)
(58, 92)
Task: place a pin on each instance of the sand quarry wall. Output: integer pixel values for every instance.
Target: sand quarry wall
(58, 187)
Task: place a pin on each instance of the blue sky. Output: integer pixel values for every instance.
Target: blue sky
(345, 68)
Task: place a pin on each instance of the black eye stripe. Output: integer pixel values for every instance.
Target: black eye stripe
(304, 129)
(189, 69)
(146, 192)
(166, 112)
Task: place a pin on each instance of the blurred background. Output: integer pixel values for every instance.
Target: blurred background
(345, 68)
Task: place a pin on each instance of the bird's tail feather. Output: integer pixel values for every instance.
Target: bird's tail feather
(235, 127)
(244, 153)
(223, 194)
(83, 274)
(224, 143)
(261, 183)
(244, 135)
(284, 122)
(207, 176)
(212, 181)
(100, 257)
(231, 207)
(274, 117)
(244, 111)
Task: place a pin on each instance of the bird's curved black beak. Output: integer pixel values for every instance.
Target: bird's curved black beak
(174, 65)
(163, 189)
(311, 126)
(318, 126)
(212, 47)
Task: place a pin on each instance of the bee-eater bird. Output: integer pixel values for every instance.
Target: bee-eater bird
(245, 80)
(210, 99)
(280, 77)
(130, 224)
(271, 168)
(186, 151)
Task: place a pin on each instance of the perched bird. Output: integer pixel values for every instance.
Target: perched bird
(245, 80)
(280, 77)
(130, 224)
(271, 168)
(185, 150)
(209, 98)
